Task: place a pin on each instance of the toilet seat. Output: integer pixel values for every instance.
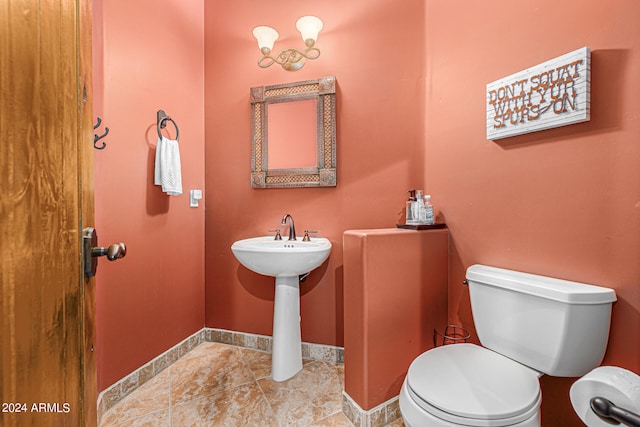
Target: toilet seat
(470, 385)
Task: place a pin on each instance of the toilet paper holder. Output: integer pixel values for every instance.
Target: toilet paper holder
(613, 414)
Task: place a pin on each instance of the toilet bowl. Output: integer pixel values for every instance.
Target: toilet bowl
(466, 384)
(528, 325)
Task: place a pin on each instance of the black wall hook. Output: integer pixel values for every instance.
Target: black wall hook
(97, 137)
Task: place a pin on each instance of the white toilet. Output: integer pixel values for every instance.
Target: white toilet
(528, 325)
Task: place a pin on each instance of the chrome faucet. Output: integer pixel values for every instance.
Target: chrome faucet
(292, 228)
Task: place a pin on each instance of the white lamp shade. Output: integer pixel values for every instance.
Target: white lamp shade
(266, 36)
(309, 27)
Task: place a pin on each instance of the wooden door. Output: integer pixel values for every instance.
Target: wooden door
(46, 198)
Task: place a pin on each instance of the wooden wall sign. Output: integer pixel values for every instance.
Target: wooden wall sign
(552, 94)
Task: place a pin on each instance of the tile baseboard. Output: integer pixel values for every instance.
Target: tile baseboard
(125, 386)
(310, 351)
(383, 414)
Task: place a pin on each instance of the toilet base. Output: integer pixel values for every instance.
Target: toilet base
(414, 416)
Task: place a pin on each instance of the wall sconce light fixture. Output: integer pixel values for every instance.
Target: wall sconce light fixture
(290, 59)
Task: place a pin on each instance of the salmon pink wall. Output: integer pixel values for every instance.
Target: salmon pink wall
(563, 202)
(375, 48)
(391, 308)
(148, 55)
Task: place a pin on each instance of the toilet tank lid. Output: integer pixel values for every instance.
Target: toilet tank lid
(545, 287)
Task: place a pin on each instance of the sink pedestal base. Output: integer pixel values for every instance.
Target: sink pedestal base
(286, 349)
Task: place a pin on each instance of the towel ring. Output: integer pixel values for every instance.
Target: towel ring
(162, 119)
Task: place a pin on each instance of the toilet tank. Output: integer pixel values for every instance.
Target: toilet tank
(554, 326)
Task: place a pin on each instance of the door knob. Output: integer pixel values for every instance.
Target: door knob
(92, 251)
(113, 252)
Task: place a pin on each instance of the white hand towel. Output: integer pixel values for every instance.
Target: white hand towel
(157, 180)
(168, 170)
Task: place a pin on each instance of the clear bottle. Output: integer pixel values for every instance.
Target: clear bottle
(418, 212)
(410, 218)
(429, 216)
(419, 208)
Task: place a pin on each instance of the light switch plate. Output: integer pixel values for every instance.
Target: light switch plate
(195, 196)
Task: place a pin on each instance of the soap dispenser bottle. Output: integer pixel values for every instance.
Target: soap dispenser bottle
(410, 218)
(429, 216)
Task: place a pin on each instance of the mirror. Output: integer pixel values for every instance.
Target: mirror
(287, 121)
(293, 139)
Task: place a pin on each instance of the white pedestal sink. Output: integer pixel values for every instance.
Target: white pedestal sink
(285, 260)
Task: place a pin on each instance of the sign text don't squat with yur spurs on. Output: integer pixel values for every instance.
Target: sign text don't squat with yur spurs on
(552, 94)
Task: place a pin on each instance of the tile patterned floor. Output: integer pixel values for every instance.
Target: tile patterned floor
(222, 385)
